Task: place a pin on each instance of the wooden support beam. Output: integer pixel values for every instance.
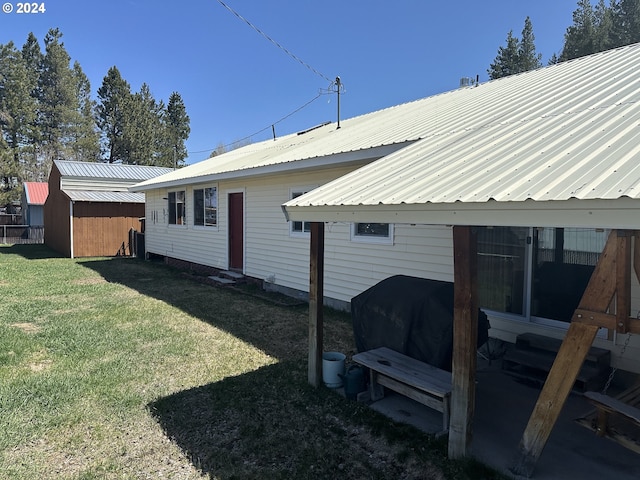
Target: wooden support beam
(623, 281)
(588, 317)
(561, 378)
(465, 339)
(596, 300)
(636, 253)
(316, 300)
(604, 320)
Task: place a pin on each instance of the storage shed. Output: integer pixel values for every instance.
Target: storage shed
(34, 196)
(89, 210)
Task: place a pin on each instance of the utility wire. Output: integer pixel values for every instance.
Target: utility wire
(265, 128)
(273, 41)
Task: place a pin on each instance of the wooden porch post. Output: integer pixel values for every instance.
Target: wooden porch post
(589, 316)
(316, 297)
(465, 339)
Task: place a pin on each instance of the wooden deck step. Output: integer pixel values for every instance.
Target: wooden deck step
(532, 341)
(533, 355)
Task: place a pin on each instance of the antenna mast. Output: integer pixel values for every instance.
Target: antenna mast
(338, 92)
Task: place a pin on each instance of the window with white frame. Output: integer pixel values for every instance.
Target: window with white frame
(176, 208)
(539, 274)
(299, 228)
(372, 233)
(205, 206)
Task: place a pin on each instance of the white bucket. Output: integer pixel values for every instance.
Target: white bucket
(332, 367)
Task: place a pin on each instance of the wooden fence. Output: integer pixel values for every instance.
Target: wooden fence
(21, 234)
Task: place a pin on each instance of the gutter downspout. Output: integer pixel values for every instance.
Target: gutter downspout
(71, 227)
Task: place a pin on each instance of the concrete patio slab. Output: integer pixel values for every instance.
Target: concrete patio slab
(503, 407)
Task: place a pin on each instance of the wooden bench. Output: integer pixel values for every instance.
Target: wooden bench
(417, 380)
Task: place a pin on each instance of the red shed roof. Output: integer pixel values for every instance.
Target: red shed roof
(36, 192)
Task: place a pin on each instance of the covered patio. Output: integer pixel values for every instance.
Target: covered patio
(502, 409)
(562, 161)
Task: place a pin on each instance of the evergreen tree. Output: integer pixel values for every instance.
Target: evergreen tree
(16, 101)
(603, 27)
(626, 22)
(506, 62)
(33, 58)
(8, 176)
(58, 103)
(86, 141)
(528, 59)
(177, 129)
(114, 98)
(143, 128)
(579, 39)
(518, 55)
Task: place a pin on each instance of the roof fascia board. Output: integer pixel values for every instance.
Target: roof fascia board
(335, 160)
(619, 213)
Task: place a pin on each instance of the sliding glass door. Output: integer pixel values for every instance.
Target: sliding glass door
(536, 274)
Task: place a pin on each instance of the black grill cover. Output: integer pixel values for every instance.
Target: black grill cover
(410, 315)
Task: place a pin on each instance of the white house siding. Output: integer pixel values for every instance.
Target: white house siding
(272, 254)
(203, 245)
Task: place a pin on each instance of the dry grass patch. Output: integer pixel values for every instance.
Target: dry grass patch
(89, 281)
(27, 327)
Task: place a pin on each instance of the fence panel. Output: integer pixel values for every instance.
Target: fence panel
(21, 234)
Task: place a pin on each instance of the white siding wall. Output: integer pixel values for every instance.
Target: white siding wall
(272, 253)
(203, 245)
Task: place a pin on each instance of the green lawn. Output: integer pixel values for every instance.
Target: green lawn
(120, 368)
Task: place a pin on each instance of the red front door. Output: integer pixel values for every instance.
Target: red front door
(236, 231)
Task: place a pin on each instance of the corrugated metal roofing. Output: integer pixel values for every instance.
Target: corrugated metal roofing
(530, 127)
(104, 196)
(36, 192)
(567, 131)
(109, 170)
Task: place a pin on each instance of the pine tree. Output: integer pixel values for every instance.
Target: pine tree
(506, 62)
(114, 97)
(58, 103)
(177, 129)
(16, 99)
(517, 56)
(528, 59)
(626, 22)
(33, 57)
(603, 27)
(86, 141)
(143, 128)
(579, 39)
(17, 109)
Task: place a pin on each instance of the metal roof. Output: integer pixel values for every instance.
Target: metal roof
(109, 171)
(561, 133)
(36, 192)
(543, 111)
(104, 196)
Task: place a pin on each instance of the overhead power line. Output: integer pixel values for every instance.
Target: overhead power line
(320, 93)
(273, 41)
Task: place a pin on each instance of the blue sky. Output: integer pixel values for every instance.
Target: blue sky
(234, 82)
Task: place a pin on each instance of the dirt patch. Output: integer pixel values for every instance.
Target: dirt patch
(27, 327)
(40, 366)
